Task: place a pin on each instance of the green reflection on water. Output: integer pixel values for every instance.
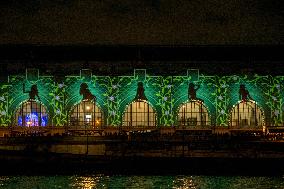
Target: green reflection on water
(122, 181)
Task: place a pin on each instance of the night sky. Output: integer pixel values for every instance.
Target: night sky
(162, 22)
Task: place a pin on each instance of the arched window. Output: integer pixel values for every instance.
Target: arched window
(193, 113)
(86, 115)
(31, 113)
(139, 114)
(246, 114)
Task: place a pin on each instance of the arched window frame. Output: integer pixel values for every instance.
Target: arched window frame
(239, 123)
(186, 123)
(24, 111)
(130, 123)
(84, 123)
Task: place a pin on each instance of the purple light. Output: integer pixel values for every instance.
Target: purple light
(32, 119)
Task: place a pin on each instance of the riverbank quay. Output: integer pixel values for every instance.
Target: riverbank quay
(143, 153)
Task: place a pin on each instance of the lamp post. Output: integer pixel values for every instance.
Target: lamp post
(87, 139)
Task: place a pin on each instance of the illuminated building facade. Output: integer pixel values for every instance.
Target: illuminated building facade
(236, 101)
(146, 98)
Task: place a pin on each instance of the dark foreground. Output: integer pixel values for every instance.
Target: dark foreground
(140, 155)
(66, 164)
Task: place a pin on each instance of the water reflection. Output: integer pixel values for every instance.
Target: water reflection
(182, 182)
(126, 181)
(224, 182)
(87, 182)
(3, 180)
(121, 181)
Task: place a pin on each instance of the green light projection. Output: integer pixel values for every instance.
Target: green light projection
(226, 94)
(205, 94)
(162, 88)
(164, 93)
(112, 87)
(180, 93)
(58, 100)
(17, 95)
(221, 96)
(251, 84)
(128, 90)
(112, 94)
(272, 97)
(72, 92)
(5, 114)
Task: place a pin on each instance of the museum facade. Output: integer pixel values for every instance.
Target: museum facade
(142, 100)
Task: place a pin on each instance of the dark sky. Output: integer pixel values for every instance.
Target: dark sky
(166, 22)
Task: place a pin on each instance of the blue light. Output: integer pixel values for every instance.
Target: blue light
(32, 119)
(20, 122)
(43, 120)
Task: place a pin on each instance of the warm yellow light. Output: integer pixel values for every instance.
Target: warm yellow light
(88, 107)
(97, 121)
(86, 182)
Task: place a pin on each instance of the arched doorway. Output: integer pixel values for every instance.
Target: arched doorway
(31, 113)
(86, 115)
(139, 114)
(246, 114)
(193, 113)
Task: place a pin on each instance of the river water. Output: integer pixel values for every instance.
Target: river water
(154, 181)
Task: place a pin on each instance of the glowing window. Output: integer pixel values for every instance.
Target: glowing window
(139, 114)
(86, 115)
(246, 114)
(193, 113)
(31, 113)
